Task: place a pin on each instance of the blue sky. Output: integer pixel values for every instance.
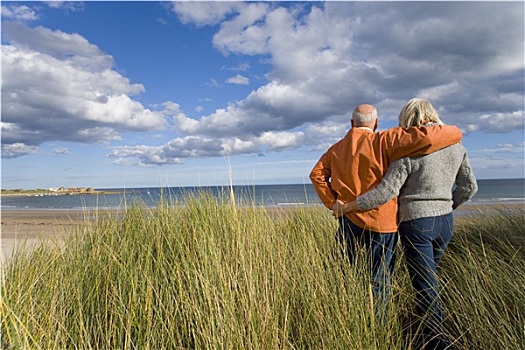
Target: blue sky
(143, 94)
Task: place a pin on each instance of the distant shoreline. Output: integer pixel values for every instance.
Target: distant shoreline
(33, 193)
(490, 192)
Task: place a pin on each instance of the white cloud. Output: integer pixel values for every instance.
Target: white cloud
(237, 146)
(325, 59)
(72, 49)
(58, 86)
(14, 150)
(212, 83)
(438, 91)
(171, 107)
(243, 34)
(178, 149)
(203, 13)
(499, 160)
(141, 155)
(221, 123)
(61, 151)
(507, 148)
(66, 5)
(242, 67)
(188, 147)
(320, 136)
(239, 80)
(184, 124)
(501, 122)
(96, 134)
(281, 140)
(496, 165)
(19, 12)
(328, 59)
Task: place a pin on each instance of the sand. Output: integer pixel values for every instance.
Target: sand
(33, 226)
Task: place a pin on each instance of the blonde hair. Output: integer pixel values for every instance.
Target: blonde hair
(418, 112)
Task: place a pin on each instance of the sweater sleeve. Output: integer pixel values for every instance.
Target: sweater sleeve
(389, 187)
(466, 185)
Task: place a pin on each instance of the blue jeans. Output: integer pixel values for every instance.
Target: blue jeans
(424, 241)
(381, 256)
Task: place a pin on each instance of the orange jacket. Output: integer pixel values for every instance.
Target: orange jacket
(357, 163)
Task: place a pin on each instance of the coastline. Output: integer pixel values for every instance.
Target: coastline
(31, 226)
(56, 194)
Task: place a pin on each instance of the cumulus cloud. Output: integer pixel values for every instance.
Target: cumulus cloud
(324, 59)
(141, 155)
(59, 87)
(321, 135)
(496, 122)
(182, 148)
(271, 108)
(281, 140)
(238, 80)
(18, 12)
(14, 150)
(328, 58)
(178, 149)
(203, 13)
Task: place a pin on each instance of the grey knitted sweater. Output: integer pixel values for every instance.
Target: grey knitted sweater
(430, 185)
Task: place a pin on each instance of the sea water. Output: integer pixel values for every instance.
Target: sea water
(501, 191)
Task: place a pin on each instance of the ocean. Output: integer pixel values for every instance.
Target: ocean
(502, 191)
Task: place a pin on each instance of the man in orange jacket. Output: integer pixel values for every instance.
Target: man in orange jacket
(356, 164)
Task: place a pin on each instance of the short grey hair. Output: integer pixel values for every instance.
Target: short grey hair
(418, 112)
(364, 118)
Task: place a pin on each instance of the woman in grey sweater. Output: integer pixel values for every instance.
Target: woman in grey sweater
(428, 189)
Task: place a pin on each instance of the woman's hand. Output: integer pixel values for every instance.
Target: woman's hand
(339, 208)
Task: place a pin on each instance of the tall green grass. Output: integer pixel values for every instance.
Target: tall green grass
(212, 274)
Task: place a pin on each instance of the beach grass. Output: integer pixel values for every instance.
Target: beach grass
(217, 273)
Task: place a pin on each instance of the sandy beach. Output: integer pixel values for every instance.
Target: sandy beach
(32, 226)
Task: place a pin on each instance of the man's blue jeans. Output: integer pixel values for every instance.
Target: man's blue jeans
(380, 249)
(424, 241)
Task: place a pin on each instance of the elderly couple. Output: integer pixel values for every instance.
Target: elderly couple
(415, 174)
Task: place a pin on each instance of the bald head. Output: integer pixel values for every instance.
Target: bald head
(364, 115)
(364, 109)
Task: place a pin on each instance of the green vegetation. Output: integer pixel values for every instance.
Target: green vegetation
(25, 192)
(55, 192)
(212, 275)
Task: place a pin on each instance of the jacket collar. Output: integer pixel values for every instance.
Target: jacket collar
(363, 128)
